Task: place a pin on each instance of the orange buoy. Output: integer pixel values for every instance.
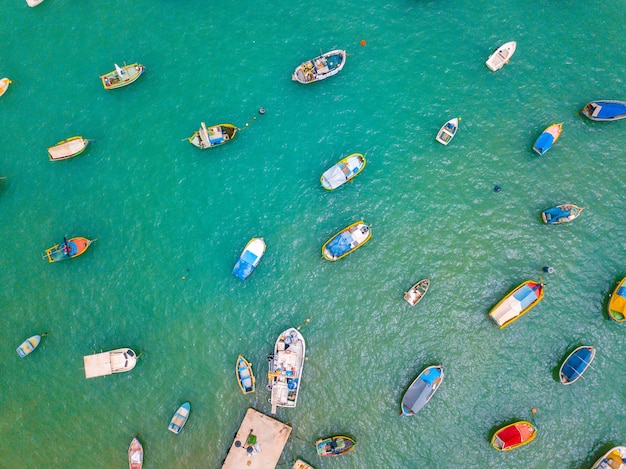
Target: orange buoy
(363, 42)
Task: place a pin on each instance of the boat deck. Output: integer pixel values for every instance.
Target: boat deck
(258, 443)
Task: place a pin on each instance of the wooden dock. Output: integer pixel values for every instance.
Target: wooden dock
(258, 443)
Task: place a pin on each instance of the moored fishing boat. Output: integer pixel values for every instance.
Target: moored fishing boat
(346, 241)
(513, 436)
(617, 303)
(249, 258)
(213, 136)
(501, 56)
(285, 369)
(343, 171)
(180, 418)
(517, 303)
(30, 344)
(417, 292)
(4, 85)
(135, 454)
(421, 390)
(68, 148)
(576, 363)
(245, 377)
(68, 249)
(122, 76)
(561, 214)
(448, 131)
(605, 110)
(547, 138)
(105, 363)
(615, 458)
(300, 464)
(321, 67)
(335, 445)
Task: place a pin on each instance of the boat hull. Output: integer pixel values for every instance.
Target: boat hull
(448, 131)
(547, 138)
(69, 249)
(285, 369)
(501, 56)
(417, 292)
(421, 390)
(122, 76)
(612, 459)
(4, 85)
(605, 110)
(135, 454)
(335, 445)
(250, 258)
(214, 136)
(68, 148)
(617, 303)
(517, 303)
(28, 346)
(245, 376)
(180, 418)
(105, 363)
(576, 364)
(321, 67)
(561, 214)
(346, 241)
(513, 436)
(343, 171)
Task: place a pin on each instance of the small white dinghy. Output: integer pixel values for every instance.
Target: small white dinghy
(33, 3)
(448, 131)
(501, 56)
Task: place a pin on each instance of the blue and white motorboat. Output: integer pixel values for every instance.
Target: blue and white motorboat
(547, 138)
(605, 110)
(421, 390)
(250, 258)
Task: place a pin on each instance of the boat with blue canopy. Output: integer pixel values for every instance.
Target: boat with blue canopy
(605, 110)
(421, 390)
(576, 363)
(547, 138)
(517, 303)
(245, 377)
(617, 303)
(343, 171)
(346, 241)
(250, 258)
(561, 214)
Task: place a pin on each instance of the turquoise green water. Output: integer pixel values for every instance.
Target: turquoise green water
(162, 210)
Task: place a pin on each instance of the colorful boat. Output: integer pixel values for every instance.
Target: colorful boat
(285, 369)
(300, 464)
(335, 445)
(135, 454)
(68, 249)
(501, 56)
(417, 292)
(615, 458)
(617, 303)
(514, 435)
(68, 148)
(105, 363)
(421, 390)
(213, 136)
(561, 214)
(250, 258)
(122, 76)
(343, 171)
(321, 67)
(346, 241)
(180, 418)
(30, 344)
(547, 138)
(517, 303)
(448, 131)
(245, 377)
(4, 85)
(576, 363)
(605, 110)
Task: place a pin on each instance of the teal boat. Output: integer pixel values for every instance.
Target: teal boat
(29, 345)
(180, 418)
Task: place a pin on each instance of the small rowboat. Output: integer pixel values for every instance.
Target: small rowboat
(321, 67)
(617, 303)
(346, 241)
(615, 458)
(180, 418)
(561, 214)
(249, 258)
(30, 344)
(421, 390)
(135, 454)
(4, 85)
(501, 56)
(300, 464)
(335, 445)
(343, 171)
(417, 292)
(517, 303)
(68, 148)
(213, 136)
(547, 138)
(605, 110)
(513, 436)
(448, 131)
(245, 377)
(576, 363)
(68, 249)
(122, 76)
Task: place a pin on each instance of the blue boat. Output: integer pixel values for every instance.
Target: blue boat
(250, 258)
(180, 418)
(547, 138)
(576, 363)
(421, 390)
(347, 240)
(561, 214)
(29, 345)
(605, 110)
